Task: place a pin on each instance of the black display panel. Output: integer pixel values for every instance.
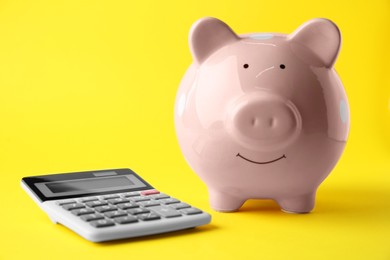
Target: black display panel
(80, 184)
(89, 184)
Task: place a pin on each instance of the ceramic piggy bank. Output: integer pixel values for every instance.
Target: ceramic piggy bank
(263, 115)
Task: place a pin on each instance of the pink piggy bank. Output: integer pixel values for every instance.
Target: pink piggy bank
(263, 115)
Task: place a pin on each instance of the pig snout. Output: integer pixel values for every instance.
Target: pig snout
(263, 121)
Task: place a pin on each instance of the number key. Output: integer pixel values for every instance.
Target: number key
(115, 214)
(137, 211)
(73, 206)
(92, 217)
(113, 196)
(149, 203)
(148, 216)
(96, 203)
(105, 208)
(79, 212)
(118, 200)
(129, 205)
(191, 211)
(180, 205)
(126, 220)
(140, 198)
(102, 223)
(166, 212)
(169, 201)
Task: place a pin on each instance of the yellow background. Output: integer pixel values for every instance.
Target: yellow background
(88, 85)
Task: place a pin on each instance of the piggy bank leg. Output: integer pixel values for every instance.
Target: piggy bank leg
(223, 202)
(298, 204)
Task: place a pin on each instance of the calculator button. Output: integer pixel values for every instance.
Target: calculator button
(191, 211)
(159, 196)
(140, 198)
(118, 200)
(126, 220)
(129, 205)
(115, 214)
(73, 206)
(137, 211)
(169, 201)
(102, 223)
(131, 194)
(92, 217)
(180, 205)
(149, 203)
(166, 212)
(148, 216)
(64, 202)
(88, 199)
(105, 208)
(149, 192)
(96, 203)
(114, 196)
(79, 212)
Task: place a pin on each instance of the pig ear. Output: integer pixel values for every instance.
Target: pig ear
(317, 41)
(208, 35)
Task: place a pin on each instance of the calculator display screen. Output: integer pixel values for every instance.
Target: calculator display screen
(89, 185)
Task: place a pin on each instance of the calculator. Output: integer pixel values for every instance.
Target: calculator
(110, 204)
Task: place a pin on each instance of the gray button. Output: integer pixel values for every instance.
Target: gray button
(96, 203)
(191, 211)
(103, 223)
(126, 220)
(88, 199)
(166, 212)
(63, 202)
(137, 211)
(148, 216)
(92, 217)
(159, 196)
(131, 194)
(180, 205)
(140, 198)
(79, 212)
(149, 203)
(73, 206)
(105, 208)
(114, 196)
(169, 201)
(118, 200)
(115, 214)
(129, 205)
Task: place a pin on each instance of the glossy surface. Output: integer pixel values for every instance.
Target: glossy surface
(262, 116)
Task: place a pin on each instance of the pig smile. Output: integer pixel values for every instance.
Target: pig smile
(283, 156)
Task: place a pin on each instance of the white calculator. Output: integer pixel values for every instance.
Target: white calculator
(110, 204)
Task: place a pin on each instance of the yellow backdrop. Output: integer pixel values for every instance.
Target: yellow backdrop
(88, 85)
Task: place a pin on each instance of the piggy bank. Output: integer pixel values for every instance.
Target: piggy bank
(262, 115)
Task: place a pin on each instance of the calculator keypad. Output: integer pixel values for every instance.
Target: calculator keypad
(127, 208)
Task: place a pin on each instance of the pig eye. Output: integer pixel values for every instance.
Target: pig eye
(282, 66)
(246, 66)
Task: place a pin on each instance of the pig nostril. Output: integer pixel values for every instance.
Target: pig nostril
(271, 122)
(254, 121)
